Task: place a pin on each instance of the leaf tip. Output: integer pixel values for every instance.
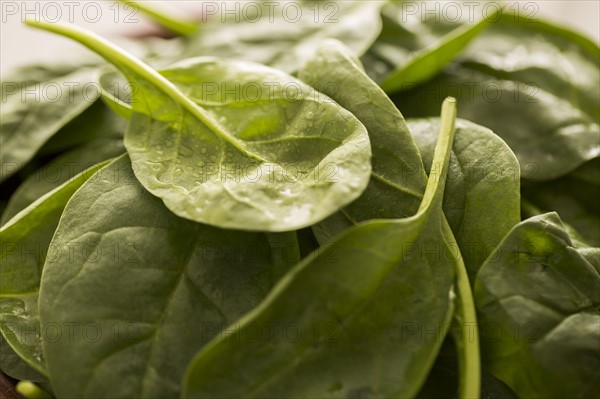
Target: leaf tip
(449, 110)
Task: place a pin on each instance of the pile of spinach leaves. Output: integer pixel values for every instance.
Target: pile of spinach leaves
(290, 208)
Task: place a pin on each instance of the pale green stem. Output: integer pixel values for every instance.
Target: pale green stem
(172, 23)
(132, 66)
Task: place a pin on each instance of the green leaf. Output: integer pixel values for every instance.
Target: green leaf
(143, 289)
(555, 59)
(397, 178)
(423, 64)
(271, 163)
(542, 77)
(482, 167)
(35, 107)
(538, 297)
(60, 170)
(284, 34)
(353, 338)
(408, 29)
(25, 243)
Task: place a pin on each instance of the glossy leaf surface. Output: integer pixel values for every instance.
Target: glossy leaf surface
(251, 158)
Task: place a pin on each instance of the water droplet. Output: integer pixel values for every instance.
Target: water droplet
(154, 166)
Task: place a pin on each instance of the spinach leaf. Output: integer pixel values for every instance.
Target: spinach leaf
(397, 178)
(60, 170)
(481, 167)
(143, 290)
(271, 164)
(411, 31)
(34, 109)
(352, 338)
(555, 59)
(538, 297)
(25, 243)
(538, 74)
(423, 64)
(283, 34)
(396, 166)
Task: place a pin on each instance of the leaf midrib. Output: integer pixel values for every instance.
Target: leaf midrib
(135, 69)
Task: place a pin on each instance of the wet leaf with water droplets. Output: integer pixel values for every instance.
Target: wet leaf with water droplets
(202, 103)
